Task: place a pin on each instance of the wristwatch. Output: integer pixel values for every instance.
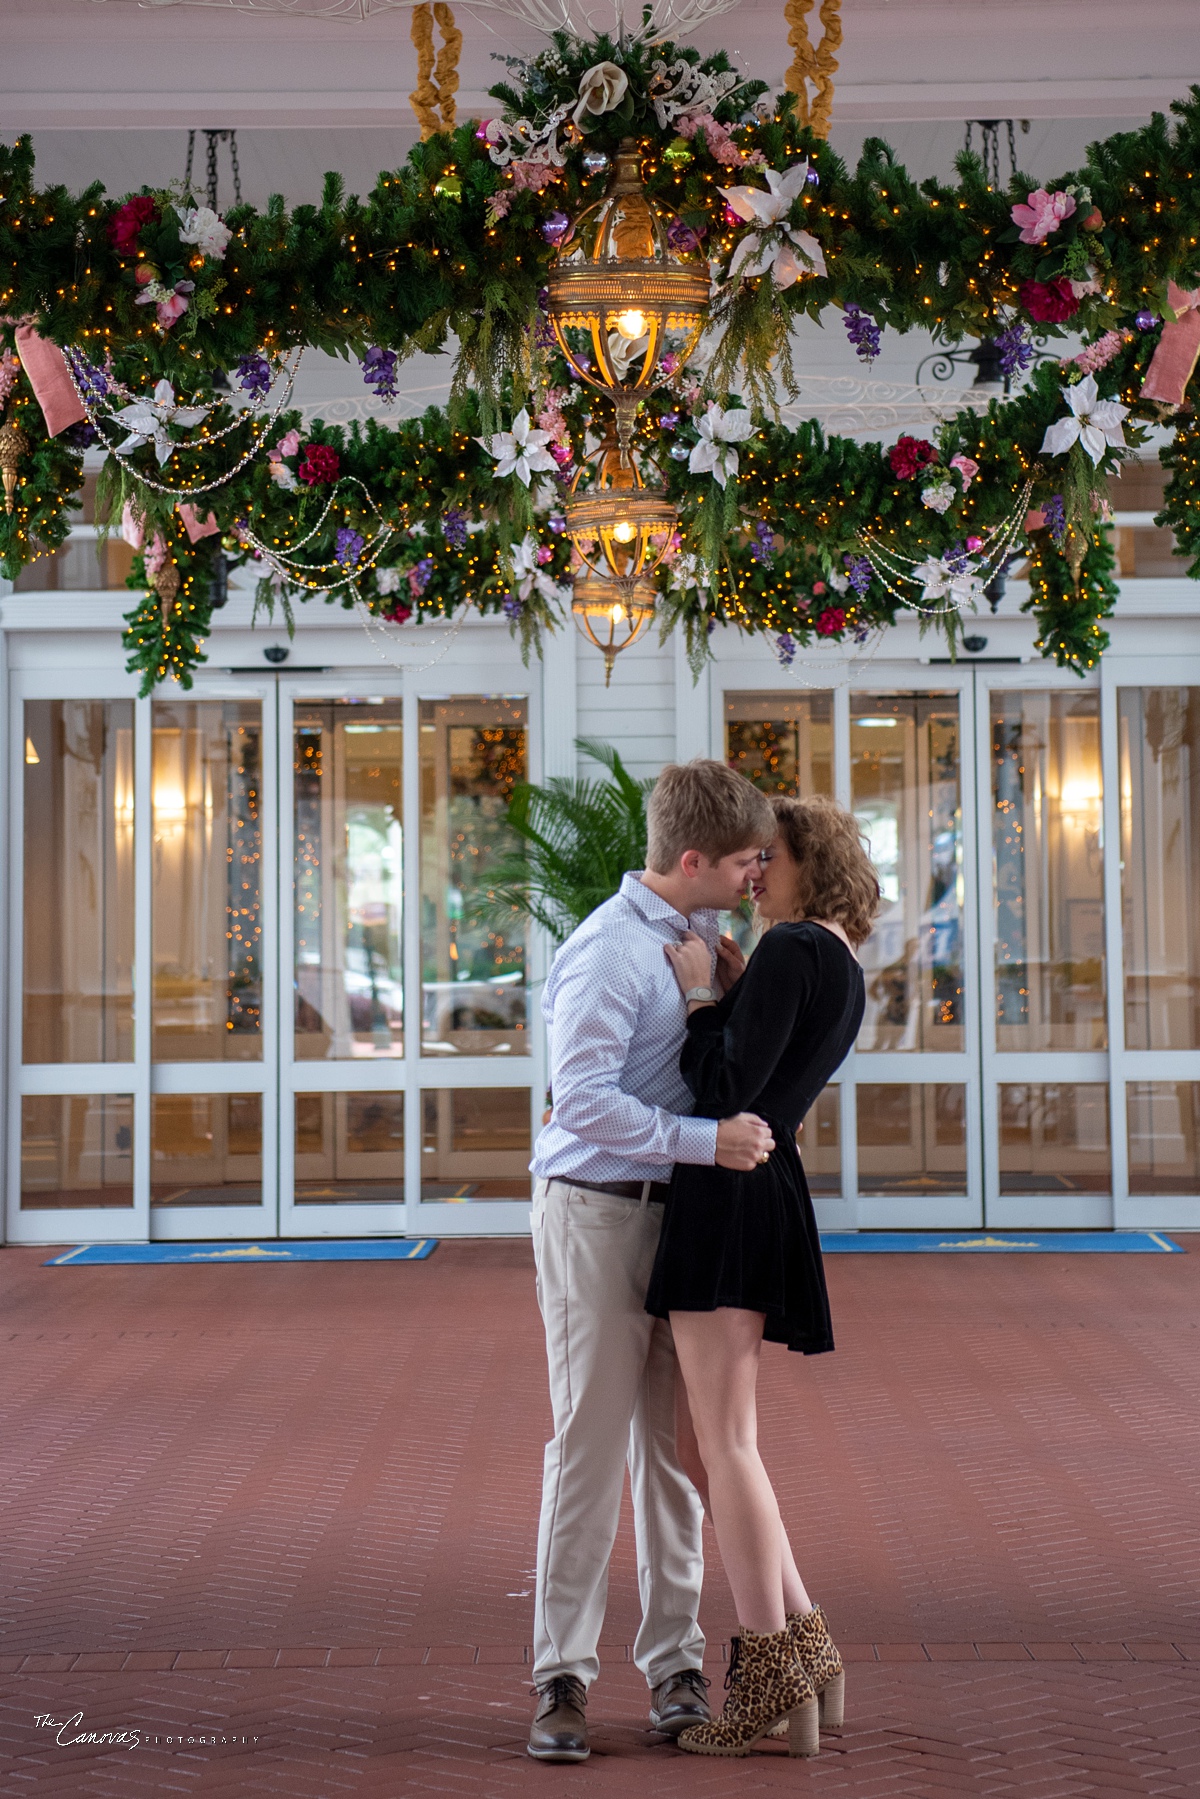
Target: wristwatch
(704, 994)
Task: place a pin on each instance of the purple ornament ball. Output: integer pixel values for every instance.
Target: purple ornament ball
(556, 227)
(1145, 321)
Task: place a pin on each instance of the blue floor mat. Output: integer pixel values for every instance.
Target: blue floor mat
(319, 1249)
(1037, 1243)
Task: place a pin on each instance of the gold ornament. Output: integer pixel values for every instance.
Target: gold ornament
(166, 586)
(14, 444)
(619, 526)
(619, 295)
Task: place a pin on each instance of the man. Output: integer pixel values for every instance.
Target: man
(617, 1022)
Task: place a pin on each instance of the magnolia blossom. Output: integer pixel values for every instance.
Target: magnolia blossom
(147, 421)
(939, 495)
(1093, 422)
(528, 573)
(771, 244)
(521, 451)
(949, 578)
(201, 226)
(719, 432)
(1043, 215)
(602, 88)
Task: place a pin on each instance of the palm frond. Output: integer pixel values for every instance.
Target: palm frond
(578, 837)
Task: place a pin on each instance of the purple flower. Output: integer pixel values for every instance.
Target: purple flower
(79, 437)
(511, 607)
(379, 372)
(419, 576)
(863, 332)
(1015, 350)
(253, 375)
(785, 649)
(1055, 514)
(91, 381)
(861, 633)
(349, 546)
(957, 559)
(682, 237)
(454, 527)
(762, 546)
(858, 573)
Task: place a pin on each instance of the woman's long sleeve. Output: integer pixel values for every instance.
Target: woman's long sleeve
(732, 1049)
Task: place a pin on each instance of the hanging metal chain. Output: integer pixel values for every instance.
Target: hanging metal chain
(214, 138)
(989, 149)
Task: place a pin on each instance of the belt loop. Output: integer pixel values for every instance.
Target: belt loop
(646, 1186)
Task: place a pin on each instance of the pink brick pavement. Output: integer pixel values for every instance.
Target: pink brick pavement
(298, 1504)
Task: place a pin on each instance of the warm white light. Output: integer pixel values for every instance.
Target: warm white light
(618, 613)
(31, 755)
(631, 324)
(625, 532)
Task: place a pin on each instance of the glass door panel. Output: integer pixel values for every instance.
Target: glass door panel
(475, 1143)
(1159, 761)
(206, 1149)
(76, 1151)
(349, 1149)
(206, 791)
(348, 885)
(78, 920)
(473, 752)
(906, 792)
(1048, 872)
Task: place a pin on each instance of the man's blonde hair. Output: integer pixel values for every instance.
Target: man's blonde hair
(703, 805)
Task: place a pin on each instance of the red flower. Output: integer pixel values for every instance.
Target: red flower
(1049, 302)
(124, 224)
(399, 614)
(909, 455)
(833, 619)
(320, 464)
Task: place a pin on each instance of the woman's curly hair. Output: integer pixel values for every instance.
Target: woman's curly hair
(837, 877)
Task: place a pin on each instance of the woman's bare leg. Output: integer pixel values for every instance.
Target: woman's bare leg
(718, 1353)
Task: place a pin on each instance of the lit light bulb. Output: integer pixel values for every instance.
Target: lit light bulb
(617, 614)
(631, 324)
(624, 532)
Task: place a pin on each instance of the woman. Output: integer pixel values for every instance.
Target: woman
(739, 1259)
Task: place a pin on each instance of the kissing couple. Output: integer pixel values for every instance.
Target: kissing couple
(673, 1234)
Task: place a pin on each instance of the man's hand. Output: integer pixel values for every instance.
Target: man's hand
(743, 1142)
(731, 963)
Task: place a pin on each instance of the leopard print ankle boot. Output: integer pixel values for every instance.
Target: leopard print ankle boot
(822, 1664)
(767, 1685)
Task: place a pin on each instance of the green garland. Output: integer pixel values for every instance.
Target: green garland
(453, 243)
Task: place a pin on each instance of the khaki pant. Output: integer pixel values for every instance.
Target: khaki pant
(612, 1389)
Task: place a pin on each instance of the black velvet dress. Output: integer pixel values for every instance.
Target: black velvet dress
(750, 1240)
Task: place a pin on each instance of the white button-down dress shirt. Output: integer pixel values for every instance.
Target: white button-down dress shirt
(617, 1022)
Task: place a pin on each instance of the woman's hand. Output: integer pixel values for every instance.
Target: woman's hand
(691, 960)
(731, 963)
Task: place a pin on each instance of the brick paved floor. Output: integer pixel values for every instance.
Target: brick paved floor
(293, 1508)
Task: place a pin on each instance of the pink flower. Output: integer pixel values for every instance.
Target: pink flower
(1049, 302)
(287, 446)
(966, 468)
(155, 555)
(145, 272)
(818, 587)
(1043, 215)
(170, 309)
(1096, 355)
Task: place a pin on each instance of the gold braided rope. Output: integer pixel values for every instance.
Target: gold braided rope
(437, 83)
(815, 63)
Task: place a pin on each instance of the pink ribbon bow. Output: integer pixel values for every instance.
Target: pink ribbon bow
(1178, 347)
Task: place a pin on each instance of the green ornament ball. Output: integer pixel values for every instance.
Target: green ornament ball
(678, 153)
(449, 187)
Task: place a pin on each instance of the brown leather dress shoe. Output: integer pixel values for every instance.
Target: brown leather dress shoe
(559, 1729)
(679, 1701)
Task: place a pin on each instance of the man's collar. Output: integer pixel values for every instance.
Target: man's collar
(653, 905)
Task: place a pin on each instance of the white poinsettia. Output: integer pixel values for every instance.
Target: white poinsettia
(715, 454)
(147, 420)
(528, 572)
(622, 351)
(951, 578)
(771, 245)
(201, 226)
(521, 452)
(1093, 422)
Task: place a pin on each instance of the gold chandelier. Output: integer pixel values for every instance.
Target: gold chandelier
(621, 530)
(620, 296)
(612, 614)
